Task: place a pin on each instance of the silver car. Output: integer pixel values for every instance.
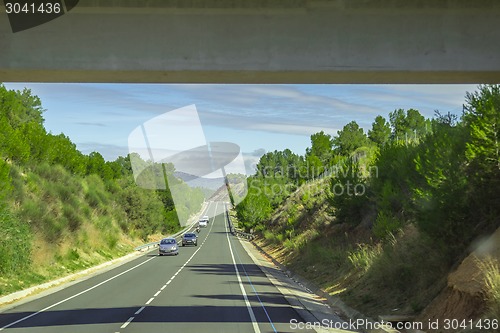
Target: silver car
(189, 239)
(168, 246)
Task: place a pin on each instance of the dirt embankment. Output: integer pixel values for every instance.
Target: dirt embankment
(465, 294)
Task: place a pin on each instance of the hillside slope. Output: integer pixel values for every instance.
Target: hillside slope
(402, 275)
(61, 210)
(396, 210)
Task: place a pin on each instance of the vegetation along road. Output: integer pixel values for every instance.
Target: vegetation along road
(212, 287)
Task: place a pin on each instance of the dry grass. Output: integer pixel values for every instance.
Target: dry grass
(42, 254)
(491, 271)
(364, 256)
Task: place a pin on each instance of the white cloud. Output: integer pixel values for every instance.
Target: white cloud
(266, 116)
(292, 129)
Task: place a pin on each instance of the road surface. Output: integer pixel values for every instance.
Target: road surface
(214, 287)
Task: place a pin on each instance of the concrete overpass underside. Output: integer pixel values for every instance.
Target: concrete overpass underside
(258, 41)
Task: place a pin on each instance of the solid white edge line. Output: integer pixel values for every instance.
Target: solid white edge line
(245, 297)
(71, 297)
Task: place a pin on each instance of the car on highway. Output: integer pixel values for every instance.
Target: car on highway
(205, 217)
(189, 238)
(202, 223)
(168, 246)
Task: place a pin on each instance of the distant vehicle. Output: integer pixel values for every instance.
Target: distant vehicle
(206, 218)
(168, 246)
(202, 223)
(189, 238)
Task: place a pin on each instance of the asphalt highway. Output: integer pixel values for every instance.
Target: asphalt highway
(212, 287)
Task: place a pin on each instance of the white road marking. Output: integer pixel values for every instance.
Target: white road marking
(255, 291)
(140, 310)
(76, 295)
(103, 282)
(127, 322)
(180, 269)
(245, 297)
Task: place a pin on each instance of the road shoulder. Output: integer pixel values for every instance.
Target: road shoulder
(311, 307)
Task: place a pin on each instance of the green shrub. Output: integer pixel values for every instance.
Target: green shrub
(73, 217)
(93, 198)
(53, 173)
(347, 193)
(325, 255)
(123, 224)
(386, 225)
(17, 182)
(64, 191)
(104, 222)
(260, 228)
(171, 222)
(280, 238)
(269, 236)
(73, 254)
(111, 239)
(33, 211)
(304, 238)
(112, 186)
(86, 211)
(32, 182)
(308, 201)
(5, 180)
(53, 227)
(15, 243)
(289, 244)
(96, 194)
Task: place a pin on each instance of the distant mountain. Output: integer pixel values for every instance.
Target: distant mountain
(194, 181)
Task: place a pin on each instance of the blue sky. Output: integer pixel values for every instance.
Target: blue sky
(100, 117)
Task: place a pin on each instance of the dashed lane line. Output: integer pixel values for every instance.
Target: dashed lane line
(140, 310)
(173, 277)
(127, 322)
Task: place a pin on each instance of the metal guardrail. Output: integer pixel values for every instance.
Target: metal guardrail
(228, 218)
(155, 244)
(146, 246)
(235, 231)
(244, 235)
